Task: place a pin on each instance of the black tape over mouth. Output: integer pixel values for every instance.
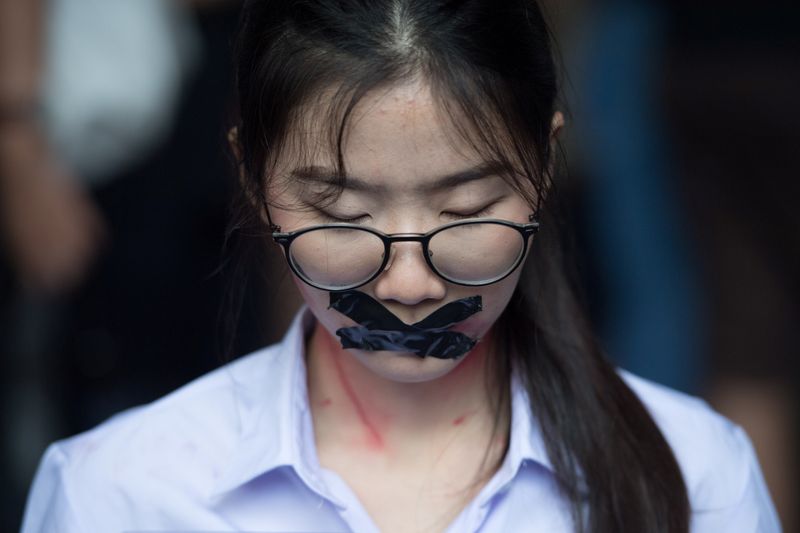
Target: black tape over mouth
(379, 329)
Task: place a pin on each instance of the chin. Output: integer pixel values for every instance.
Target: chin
(405, 367)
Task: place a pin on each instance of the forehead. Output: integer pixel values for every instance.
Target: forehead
(398, 137)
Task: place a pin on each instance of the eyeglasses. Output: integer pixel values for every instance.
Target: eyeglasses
(337, 257)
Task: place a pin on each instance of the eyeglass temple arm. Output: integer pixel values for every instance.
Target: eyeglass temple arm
(273, 228)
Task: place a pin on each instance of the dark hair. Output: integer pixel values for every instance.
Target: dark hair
(490, 66)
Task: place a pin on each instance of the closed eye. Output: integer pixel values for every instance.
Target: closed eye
(482, 212)
(348, 219)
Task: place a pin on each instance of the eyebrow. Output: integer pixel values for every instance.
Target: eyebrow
(327, 176)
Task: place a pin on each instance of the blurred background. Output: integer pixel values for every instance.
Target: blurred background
(682, 149)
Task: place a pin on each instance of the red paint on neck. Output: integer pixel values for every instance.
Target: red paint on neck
(374, 439)
(463, 418)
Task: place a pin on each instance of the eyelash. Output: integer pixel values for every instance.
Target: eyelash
(485, 210)
(329, 217)
(360, 218)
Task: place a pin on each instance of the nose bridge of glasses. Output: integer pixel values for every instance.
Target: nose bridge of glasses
(397, 240)
(406, 237)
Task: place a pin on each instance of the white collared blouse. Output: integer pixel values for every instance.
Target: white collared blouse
(234, 451)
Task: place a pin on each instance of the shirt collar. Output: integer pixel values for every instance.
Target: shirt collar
(276, 428)
(525, 445)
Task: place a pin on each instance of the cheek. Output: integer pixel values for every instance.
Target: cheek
(316, 299)
(318, 302)
(495, 299)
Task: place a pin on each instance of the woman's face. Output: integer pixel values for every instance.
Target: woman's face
(396, 150)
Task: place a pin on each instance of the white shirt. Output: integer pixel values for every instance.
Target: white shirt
(234, 451)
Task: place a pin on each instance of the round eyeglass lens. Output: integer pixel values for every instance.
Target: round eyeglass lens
(337, 257)
(476, 253)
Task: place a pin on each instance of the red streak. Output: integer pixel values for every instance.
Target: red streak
(326, 402)
(374, 439)
(460, 420)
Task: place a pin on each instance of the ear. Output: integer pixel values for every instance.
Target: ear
(255, 197)
(236, 150)
(556, 124)
(556, 128)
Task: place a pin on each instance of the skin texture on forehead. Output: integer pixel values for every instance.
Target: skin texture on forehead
(402, 121)
(385, 126)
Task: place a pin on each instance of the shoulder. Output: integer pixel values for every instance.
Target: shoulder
(704, 442)
(720, 469)
(171, 450)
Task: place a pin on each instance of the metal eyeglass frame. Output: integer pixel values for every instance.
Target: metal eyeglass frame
(286, 239)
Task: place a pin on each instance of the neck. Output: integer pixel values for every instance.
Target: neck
(353, 406)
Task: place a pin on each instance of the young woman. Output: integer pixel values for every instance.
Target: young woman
(442, 376)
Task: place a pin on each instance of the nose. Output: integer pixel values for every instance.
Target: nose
(407, 278)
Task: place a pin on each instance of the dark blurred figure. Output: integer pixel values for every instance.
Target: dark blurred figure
(109, 297)
(733, 80)
(683, 156)
(642, 278)
(685, 138)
